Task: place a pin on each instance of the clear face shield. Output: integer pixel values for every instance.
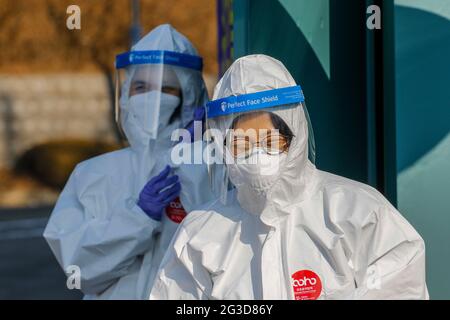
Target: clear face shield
(253, 137)
(149, 89)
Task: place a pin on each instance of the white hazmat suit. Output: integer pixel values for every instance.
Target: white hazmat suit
(97, 225)
(310, 235)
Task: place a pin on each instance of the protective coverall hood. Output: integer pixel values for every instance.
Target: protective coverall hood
(257, 73)
(166, 38)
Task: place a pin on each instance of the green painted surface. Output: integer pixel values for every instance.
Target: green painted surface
(327, 58)
(312, 18)
(423, 129)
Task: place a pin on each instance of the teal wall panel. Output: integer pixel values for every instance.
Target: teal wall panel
(328, 59)
(422, 30)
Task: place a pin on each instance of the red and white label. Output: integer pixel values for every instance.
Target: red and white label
(175, 211)
(306, 285)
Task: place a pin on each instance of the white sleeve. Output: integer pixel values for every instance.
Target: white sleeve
(181, 275)
(90, 227)
(389, 258)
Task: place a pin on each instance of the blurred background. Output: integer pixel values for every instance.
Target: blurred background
(379, 101)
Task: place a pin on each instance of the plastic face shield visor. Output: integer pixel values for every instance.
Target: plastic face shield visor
(148, 87)
(231, 142)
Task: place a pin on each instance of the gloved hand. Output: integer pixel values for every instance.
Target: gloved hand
(199, 115)
(158, 193)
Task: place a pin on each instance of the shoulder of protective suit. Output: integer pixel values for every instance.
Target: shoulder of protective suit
(212, 214)
(348, 190)
(105, 164)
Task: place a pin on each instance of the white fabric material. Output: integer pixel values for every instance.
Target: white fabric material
(259, 171)
(347, 233)
(144, 111)
(96, 223)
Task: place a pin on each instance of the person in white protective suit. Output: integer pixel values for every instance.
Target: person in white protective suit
(286, 230)
(119, 211)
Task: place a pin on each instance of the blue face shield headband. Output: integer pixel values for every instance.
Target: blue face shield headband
(254, 101)
(123, 60)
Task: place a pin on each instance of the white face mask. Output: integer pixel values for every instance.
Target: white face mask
(259, 171)
(144, 108)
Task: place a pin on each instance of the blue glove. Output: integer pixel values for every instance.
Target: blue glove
(158, 193)
(199, 115)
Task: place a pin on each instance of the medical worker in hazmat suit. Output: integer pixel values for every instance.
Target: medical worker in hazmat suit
(286, 230)
(119, 211)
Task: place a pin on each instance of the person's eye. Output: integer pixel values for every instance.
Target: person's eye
(275, 142)
(239, 146)
(171, 90)
(137, 88)
(271, 140)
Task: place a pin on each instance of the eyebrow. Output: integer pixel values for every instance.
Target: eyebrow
(136, 82)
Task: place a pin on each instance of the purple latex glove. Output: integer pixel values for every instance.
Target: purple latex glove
(199, 115)
(158, 193)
